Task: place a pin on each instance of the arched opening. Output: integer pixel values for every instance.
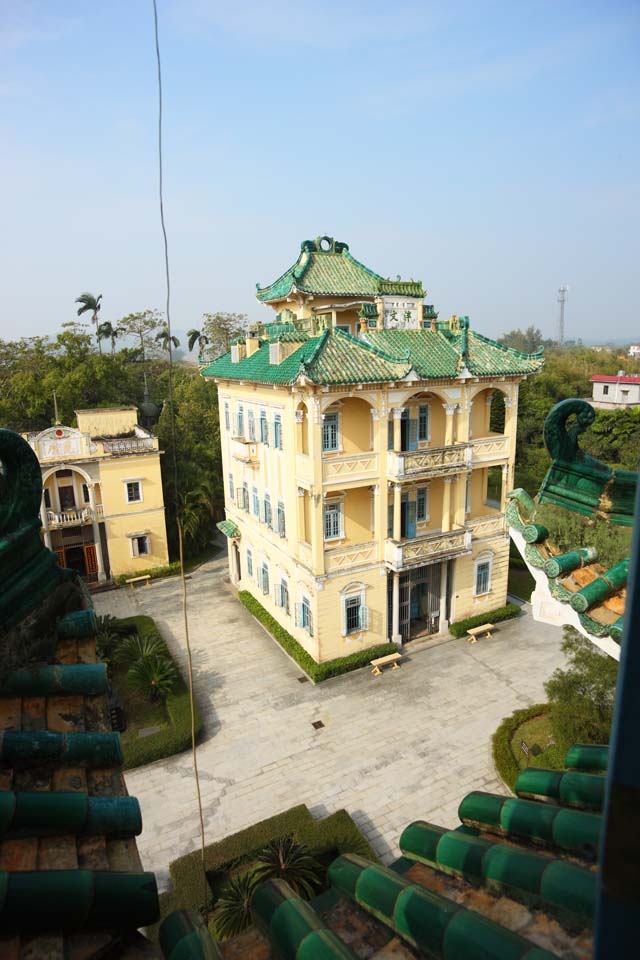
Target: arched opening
(302, 429)
(71, 512)
(422, 424)
(347, 427)
(488, 414)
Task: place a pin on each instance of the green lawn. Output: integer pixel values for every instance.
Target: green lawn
(538, 736)
(138, 710)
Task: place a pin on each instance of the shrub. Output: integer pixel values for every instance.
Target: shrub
(286, 859)
(134, 648)
(175, 738)
(233, 909)
(581, 697)
(316, 671)
(155, 676)
(168, 570)
(501, 742)
(459, 628)
(568, 531)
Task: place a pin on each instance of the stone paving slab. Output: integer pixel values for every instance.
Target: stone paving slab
(395, 748)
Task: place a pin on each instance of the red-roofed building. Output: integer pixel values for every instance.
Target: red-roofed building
(617, 392)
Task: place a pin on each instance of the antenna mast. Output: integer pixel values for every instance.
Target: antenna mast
(562, 298)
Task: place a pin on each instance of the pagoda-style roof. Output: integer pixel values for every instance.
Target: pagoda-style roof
(377, 356)
(326, 268)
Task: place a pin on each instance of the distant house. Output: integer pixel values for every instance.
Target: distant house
(634, 351)
(617, 392)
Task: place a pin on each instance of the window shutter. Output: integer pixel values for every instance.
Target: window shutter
(277, 596)
(297, 610)
(364, 617)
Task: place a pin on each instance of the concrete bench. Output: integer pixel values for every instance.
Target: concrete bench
(380, 662)
(475, 632)
(133, 580)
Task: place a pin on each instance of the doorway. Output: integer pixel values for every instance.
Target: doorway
(236, 563)
(74, 558)
(419, 602)
(408, 432)
(67, 498)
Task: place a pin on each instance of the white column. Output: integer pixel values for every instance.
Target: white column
(446, 504)
(397, 429)
(396, 636)
(449, 410)
(397, 503)
(443, 623)
(505, 484)
(96, 533)
(44, 520)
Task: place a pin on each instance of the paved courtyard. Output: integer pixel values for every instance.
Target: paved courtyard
(394, 748)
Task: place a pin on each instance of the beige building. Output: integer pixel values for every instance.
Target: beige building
(367, 451)
(102, 505)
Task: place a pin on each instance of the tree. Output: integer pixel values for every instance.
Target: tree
(142, 325)
(89, 302)
(221, 329)
(233, 909)
(286, 859)
(166, 339)
(154, 676)
(581, 697)
(197, 336)
(107, 331)
(527, 341)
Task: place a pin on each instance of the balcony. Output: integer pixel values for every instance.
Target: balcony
(356, 554)
(119, 448)
(492, 525)
(437, 462)
(73, 518)
(431, 547)
(490, 449)
(244, 451)
(350, 467)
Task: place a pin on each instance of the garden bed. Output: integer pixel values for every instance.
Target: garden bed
(172, 715)
(531, 725)
(197, 886)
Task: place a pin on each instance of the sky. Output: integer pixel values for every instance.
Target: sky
(488, 149)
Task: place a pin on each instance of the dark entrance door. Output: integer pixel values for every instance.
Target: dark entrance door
(236, 558)
(67, 498)
(419, 602)
(407, 517)
(74, 560)
(408, 432)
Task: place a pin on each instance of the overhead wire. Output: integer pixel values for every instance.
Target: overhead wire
(172, 421)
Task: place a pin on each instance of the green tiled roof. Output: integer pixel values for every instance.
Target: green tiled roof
(334, 357)
(325, 267)
(229, 529)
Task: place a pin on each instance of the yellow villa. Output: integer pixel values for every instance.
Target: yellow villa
(367, 448)
(102, 506)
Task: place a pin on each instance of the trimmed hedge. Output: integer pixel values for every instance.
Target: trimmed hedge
(174, 738)
(501, 741)
(170, 569)
(191, 889)
(459, 628)
(316, 671)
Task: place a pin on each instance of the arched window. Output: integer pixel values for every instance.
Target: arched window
(482, 574)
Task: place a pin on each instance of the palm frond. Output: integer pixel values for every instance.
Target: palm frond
(232, 914)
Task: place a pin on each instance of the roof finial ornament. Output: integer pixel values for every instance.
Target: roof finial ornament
(55, 409)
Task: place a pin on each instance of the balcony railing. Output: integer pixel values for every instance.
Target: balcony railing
(118, 448)
(72, 518)
(439, 461)
(426, 549)
(244, 452)
(489, 526)
(356, 554)
(353, 466)
(490, 448)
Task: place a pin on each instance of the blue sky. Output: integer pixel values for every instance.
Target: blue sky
(489, 149)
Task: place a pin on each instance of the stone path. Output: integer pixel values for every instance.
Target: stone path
(395, 748)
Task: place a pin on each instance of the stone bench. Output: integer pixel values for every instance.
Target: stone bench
(134, 580)
(475, 632)
(380, 662)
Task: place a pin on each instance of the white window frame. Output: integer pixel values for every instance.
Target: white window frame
(335, 506)
(251, 424)
(264, 428)
(355, 592)
(306, 619)
(264, 581)
(427, 438)
(231, 486)
(267, 514)
(255, 502)
(135, 548)
(281, 515)
(140, 499)
(425, 518)
(277, 432)
(86, 499)
(240, 421)
(485, 559)
(334, 415)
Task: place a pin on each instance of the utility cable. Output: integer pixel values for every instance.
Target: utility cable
(172, 421)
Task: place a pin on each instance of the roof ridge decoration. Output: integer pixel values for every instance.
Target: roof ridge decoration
(577, 481)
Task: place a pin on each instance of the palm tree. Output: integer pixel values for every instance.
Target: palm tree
(196, 336)
(233, 909)
(135, 648)
(89, 302)
(167, 340)
(107, 331)
(289, 860)
(155, 676)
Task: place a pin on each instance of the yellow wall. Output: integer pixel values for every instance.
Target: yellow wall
(109, 422)
(357, 515)
(354, 417)
(464, 603)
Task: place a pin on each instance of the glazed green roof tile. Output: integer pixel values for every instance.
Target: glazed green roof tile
(229, 529)
(326, 268)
